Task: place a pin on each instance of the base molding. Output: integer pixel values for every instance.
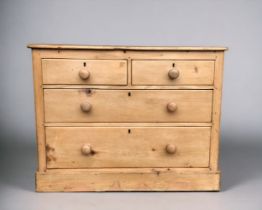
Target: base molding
(142, 179)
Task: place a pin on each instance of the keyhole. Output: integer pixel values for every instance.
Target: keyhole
(129, 93)
(173, 64)
(129, 130)
(84, 64)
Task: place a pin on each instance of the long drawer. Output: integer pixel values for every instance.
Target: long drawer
(102, 147)
(86, 105)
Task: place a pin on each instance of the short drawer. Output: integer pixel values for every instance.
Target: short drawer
(92, 72)
(172, 72)
(112, 147)
(90, 105)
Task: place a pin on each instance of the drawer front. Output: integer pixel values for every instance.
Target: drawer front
(86, 105)
(93, 72)
(170, 72)
(100, 147)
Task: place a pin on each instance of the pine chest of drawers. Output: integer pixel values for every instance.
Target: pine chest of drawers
(116, 118)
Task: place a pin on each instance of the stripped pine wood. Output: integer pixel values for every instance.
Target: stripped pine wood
(216, 113)
(153, 179)
(127, 54)
(116, 147)
(100, 72)
(127, 106)
(39, 110)
(129, 86)
(156, 72)
(128, 124)
(127, 118)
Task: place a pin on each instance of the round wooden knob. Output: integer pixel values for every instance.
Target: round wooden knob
(170, 149)
(86, 149)
(171, 107)
(173, 73)
(84, 74)
(86, 107)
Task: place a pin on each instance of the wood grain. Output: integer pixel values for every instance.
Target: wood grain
(128, 140)
(127, 105)
(216, 113)
(155, 72)
(39, 110)
(128, 124)
(116, 147)
(137, 87)
(149, 179)
(102, 72)
(100, 54)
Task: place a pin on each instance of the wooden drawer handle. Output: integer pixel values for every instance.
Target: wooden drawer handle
(86, 107)
(171, 149)
(86, 149)
(173, 74)
(84, 74)
(171, 107)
